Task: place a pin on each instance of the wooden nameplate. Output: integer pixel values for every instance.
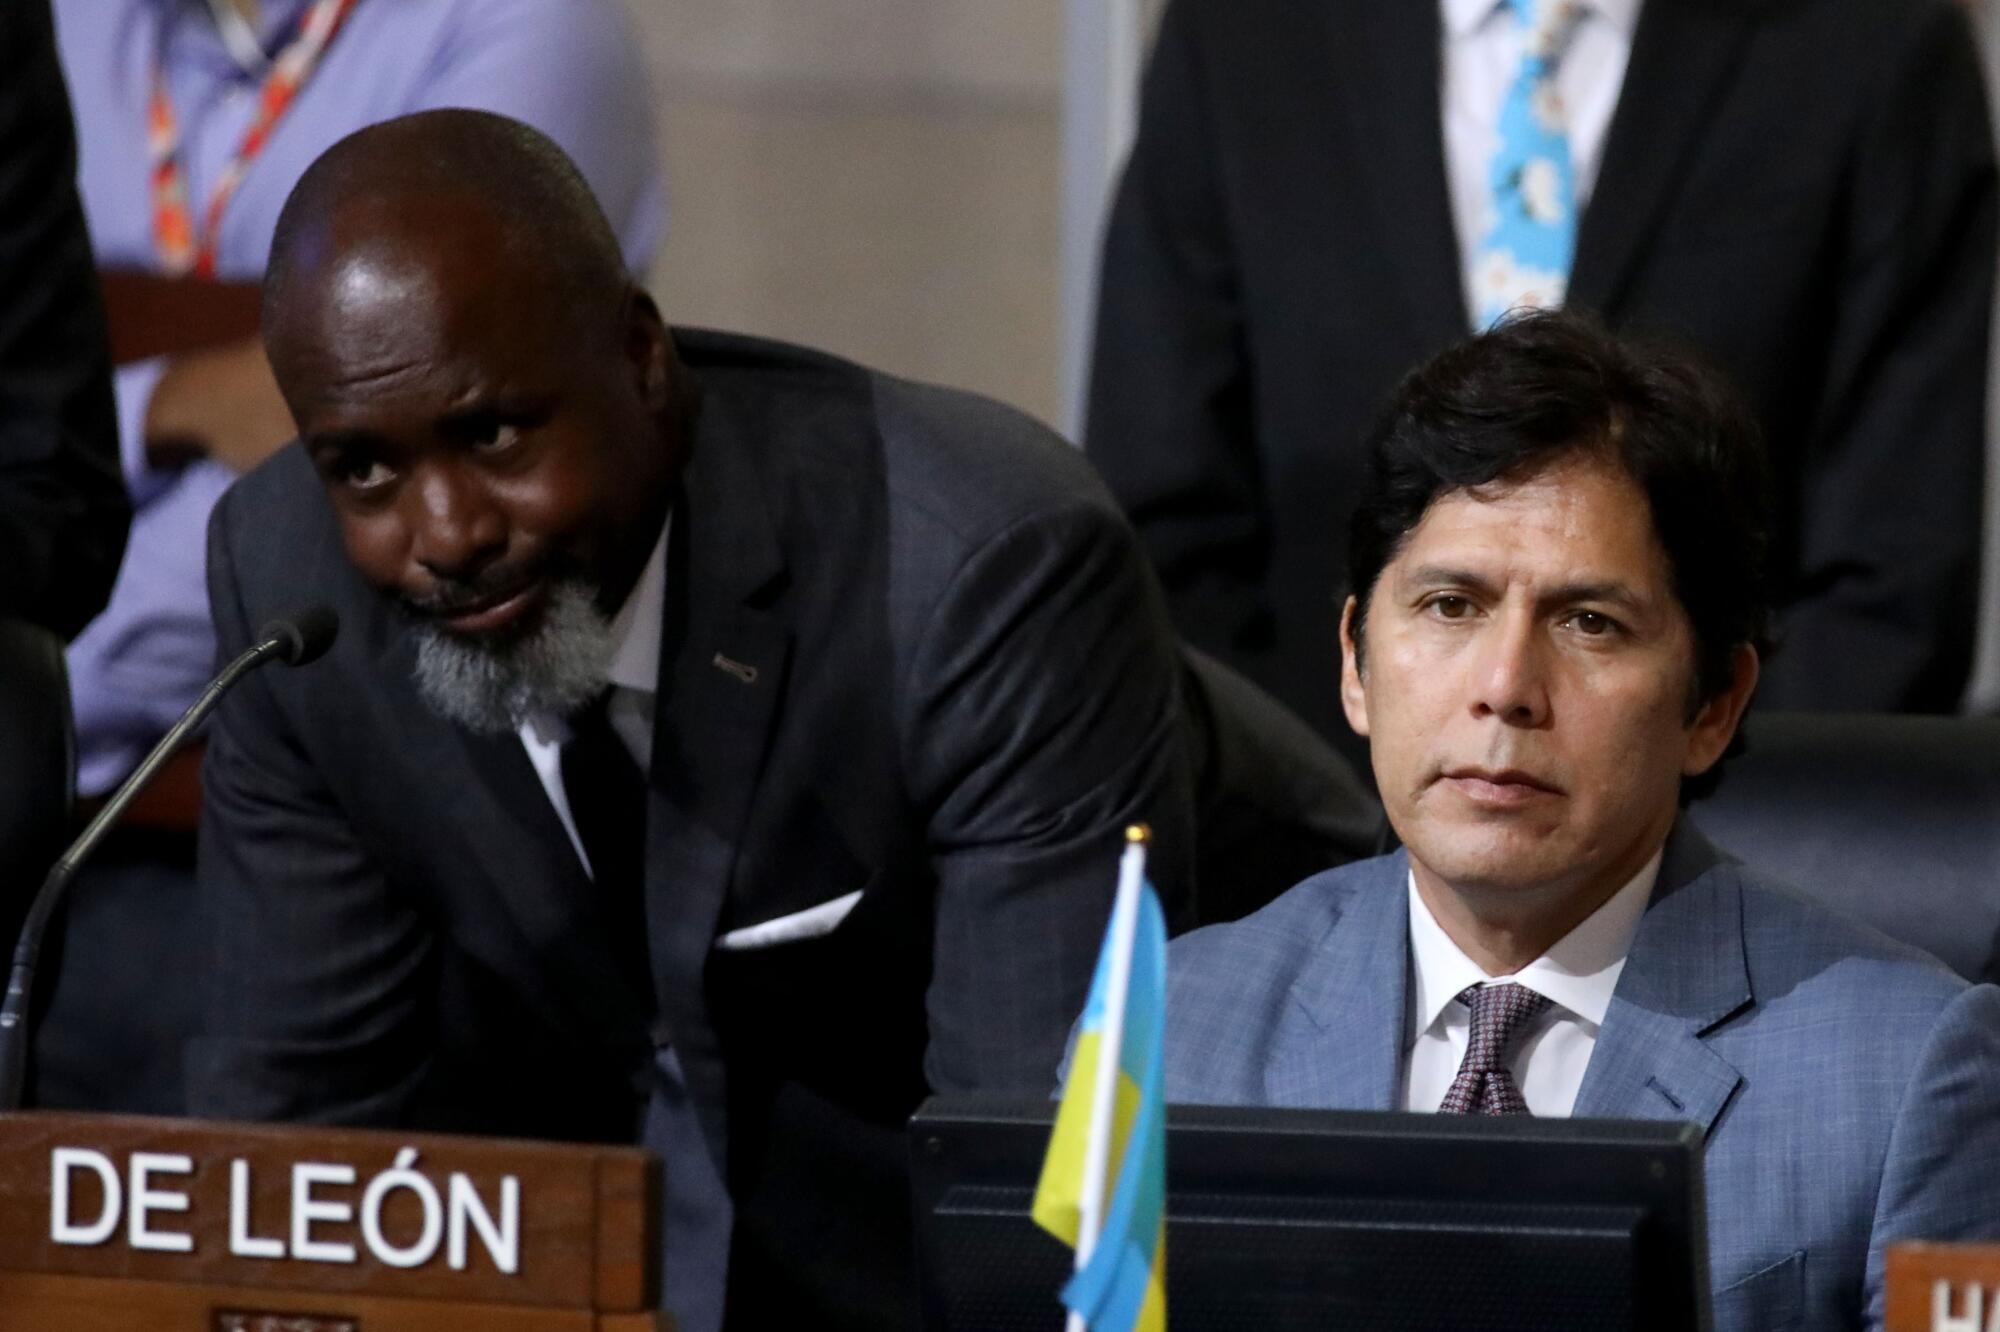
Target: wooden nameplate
(122, 1224)
(1943, 1288)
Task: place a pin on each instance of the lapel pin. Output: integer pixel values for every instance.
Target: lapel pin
(731, 666)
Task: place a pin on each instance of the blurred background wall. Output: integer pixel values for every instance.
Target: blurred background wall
(876, 177)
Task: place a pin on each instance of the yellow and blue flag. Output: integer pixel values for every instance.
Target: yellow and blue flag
(1120, 1281)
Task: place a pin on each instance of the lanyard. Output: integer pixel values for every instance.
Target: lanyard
(240, 38)
(181, 249)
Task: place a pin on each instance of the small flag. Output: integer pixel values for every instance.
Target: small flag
(1104, 1182)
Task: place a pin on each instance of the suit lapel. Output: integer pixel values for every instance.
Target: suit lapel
(1385, 64)
(548, 938)
(1347, 1053)
(1686, 974)
(724, 653)
(1682, 55)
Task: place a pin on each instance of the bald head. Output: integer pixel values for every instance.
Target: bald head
(424, 182)
(493, 408)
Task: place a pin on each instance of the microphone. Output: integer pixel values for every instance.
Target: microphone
(302, 638)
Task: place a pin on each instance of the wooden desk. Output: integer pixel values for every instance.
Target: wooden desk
(149, 315)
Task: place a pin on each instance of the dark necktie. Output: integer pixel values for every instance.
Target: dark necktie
(1483, 1085)
(607, 802)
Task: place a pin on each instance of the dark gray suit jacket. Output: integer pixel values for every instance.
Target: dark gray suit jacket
(1846, 1083)
(1804, 188)
(910, 649)
(62, 496)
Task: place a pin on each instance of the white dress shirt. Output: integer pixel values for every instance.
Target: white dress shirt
(634, 673)
(697, 1215)
(1577, 976)
(1482, 52)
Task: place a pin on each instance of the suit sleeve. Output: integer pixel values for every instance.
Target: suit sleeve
(1042, 720)
(1170, 421)
(62, 500)
(313, 1005)
(1943, 1168)
(1885, 608)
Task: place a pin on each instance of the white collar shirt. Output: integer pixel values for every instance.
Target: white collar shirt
(1577, 975)
(634, 674)
(1481, 51)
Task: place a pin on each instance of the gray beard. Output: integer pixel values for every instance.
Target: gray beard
(492, 688)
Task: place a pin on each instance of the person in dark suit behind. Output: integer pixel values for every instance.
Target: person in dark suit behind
(62, 501)
(1556, 629)
(1806, 191)
(725, 744)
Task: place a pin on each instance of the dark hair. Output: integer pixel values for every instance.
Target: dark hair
(1543, 388)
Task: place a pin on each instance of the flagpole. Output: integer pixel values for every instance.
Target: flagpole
(1111, 1043)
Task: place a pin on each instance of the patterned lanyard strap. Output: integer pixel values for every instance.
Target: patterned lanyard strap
(181, 249)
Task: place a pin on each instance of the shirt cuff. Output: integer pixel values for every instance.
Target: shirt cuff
(133, 385)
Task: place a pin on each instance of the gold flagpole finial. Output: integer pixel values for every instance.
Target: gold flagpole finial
(1138, 834)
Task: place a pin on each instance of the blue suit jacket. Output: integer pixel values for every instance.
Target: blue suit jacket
(1849, 1087)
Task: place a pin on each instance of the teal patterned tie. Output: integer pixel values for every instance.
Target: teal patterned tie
(1529, 234)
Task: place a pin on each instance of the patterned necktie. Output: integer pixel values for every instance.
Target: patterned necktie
(1529, 234)
(1483, 1085)
(607, 802)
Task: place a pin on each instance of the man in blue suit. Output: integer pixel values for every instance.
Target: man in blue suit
(1555, 628)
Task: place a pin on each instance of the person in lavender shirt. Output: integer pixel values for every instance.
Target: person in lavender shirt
(196, 403)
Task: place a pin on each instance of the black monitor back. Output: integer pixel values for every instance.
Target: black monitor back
(1295, 1219)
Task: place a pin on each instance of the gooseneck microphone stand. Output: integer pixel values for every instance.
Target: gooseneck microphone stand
(295, 642)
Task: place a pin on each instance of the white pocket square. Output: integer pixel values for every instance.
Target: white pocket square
(807, 924)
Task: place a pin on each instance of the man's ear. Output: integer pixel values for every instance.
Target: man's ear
(1715, 725)
(650, 351)
(1353, 687)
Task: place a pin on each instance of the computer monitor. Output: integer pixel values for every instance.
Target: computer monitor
(1295, 1219)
